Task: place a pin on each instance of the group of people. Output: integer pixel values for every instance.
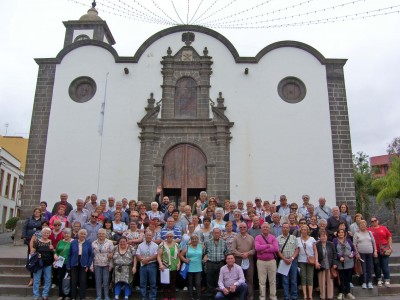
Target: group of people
(212, 248)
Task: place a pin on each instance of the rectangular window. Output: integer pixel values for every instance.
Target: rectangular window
(11, 213)
(1, 182)
(14, 189)
(8, 184)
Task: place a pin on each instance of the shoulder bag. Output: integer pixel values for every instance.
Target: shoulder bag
(310, 259)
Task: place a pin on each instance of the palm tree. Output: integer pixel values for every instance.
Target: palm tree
(389, 187)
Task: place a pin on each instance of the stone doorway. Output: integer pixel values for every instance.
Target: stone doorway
(184, 173)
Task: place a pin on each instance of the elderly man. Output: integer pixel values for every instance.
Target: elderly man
(229, 216)
(272, 210)
(91, 203)
(303, 211)
(333, 222)
(111, 204)
(200, 204)
(276, 227)
(92, 227)
(288, 251)
(323, 211)
(124, 215)
(63, 201)
(256, 228)
(243, 249)
(215, 250)
(258, 207)
(170, 226)
(186, 217)
(79, 214)
(124, 204)
(266, 247)
(146, 254)
(231, 282)
(283, 208)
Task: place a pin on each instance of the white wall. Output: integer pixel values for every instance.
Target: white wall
(277, 147)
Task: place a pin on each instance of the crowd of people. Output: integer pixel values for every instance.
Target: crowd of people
(218, 249)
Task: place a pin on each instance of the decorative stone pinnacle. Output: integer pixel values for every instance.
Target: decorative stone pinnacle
(169, 51)
(150, 102)
(220, 101)
(188, 38)
(94, 4)
(205, 51)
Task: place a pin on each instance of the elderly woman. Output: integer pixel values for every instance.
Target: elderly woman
(44, 247)
(60, 216)
(218, 222)
(33, 224)
(354, 227)
(133, 235)
(192, 255)
(383, 239)
(168, 258)
(205, 233)
(364, 243)
(307, 248)
(228, 236)
(168, 213)
(212, 205)
(154, 230)
(101, 266)
(143, 217)
(344, 213)
(119, 227)
(61, 254)
(131, 207)
(79, 262)
(325, 261)
(124, 262)
(154, 212)
(237, 219)
(345, 255)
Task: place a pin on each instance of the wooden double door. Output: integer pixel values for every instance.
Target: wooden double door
(184, 173)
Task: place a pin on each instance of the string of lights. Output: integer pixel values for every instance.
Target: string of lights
(307, 13)
(249, 18)
(363, 15)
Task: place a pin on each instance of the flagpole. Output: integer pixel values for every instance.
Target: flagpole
(100, 130)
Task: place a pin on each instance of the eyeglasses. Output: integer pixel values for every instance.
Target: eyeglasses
(94, 216)
(242, 227)
(374, 220)
(170, 236)
(303, 223)
(57, 225)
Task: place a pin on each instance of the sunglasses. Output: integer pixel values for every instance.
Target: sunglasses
(94, 216)
(57, 225)
(374, 220)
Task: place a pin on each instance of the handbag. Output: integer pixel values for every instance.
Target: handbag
(334, 272)
(66, 284)
(310, 259)
(358, 267)
(385, 250)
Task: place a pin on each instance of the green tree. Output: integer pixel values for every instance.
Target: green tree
(389, 187)
(394, 147)
(362, 181)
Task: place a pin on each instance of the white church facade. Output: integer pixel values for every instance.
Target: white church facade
(187, 112)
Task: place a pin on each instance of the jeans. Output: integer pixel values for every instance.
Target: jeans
(102, 277)
(47, 281)
(345, 279)
(289, 282)
(148, 273)
(382, 266)
(241, 291)
(367, 265)
(196, 278)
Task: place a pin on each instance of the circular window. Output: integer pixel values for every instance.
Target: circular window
(291, 89)
(82, 89)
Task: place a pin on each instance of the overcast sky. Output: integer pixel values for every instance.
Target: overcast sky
(34, 29)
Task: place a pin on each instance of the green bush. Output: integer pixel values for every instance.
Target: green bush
(12, 223)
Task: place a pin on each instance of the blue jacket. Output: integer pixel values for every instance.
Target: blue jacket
(86, 258)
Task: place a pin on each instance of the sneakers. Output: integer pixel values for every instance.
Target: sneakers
(380, 282)
(53, 286)
(370, 286)
(364, 285)
(350, 296)
(351, 285)
(387, 283)
(340, 296)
